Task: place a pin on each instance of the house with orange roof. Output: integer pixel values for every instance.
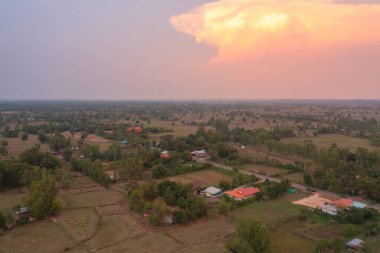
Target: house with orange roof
(242, 192)
(135, 129)
(343, 203)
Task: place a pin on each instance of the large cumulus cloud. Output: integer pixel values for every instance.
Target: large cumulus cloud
(238, 28)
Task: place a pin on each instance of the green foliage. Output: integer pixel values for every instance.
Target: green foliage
(224, 207)
(42, 198)
(58, 142)
(24, 136)
(130, 168)
(335, 246)
(2, 220)
(357, 215)
(35, 157)
(169, 193)
(136, 201)
(92, 169)
(42, 137)
(251, 236)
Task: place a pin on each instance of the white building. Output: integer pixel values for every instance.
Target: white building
(212, 191)
(329, 209)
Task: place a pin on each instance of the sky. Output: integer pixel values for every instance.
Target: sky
(181, 49)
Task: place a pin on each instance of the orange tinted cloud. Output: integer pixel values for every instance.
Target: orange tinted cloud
(244, 27)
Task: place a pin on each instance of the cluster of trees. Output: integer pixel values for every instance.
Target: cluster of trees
(3, 147)
(10, 133)
(187, 206)
(357, 215)
(42, 198)
(91, 168)
(15, 174)
(34, 156)
(251, 237)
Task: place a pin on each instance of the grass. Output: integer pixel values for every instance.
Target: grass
(263, 169)
(205, 177)
(113, 229)
(342, 141)
(38, 237)
(296, 177)
(79, 223)
(16, 146)
(93, 198)
(9, 201)
(271, 210)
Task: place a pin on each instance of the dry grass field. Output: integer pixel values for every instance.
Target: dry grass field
(342, 141)
(204, 177)
(9, 200)
(81, 224)
(37, 237)
(16, 146)
(263, 169)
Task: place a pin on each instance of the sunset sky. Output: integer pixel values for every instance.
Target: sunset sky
(193, 49)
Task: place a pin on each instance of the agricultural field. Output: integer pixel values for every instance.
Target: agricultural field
(204, 177)
(263, 169)
(16, 146)
(343, 141)
(272, 210)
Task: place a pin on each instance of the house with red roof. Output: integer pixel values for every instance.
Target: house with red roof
(135, 129)
(164, 155)
(242, 192)
(343, 203)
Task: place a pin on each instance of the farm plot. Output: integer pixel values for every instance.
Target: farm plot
(151, 242)
(204, 177)
(271, 210)
(203, 232)
(37, 237)
(16, 146)
(9, 201)
(343, 141)
(98, 140)
(79, 223)
(93, 198)
(263, 169)
(113, 229)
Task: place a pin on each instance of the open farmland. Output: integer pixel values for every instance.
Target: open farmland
(204, 177)
(343, 141)
(16, 146)
(271, 210)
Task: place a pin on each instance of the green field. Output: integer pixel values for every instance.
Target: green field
(271, 210)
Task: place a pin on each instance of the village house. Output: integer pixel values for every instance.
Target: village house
(21, 213)
(329, 209)
(343, 203)
(355, 244)
(242, 192)
(212, 192)
(135, 129)
(199, 153)
(164, 155)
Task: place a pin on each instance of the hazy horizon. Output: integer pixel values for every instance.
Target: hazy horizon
(189, 50)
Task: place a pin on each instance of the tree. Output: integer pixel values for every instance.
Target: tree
(24, 136)
(42, 198)
(42, 137)
(130, 168)
(224, 207)
(2, 221)
(251, 236)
